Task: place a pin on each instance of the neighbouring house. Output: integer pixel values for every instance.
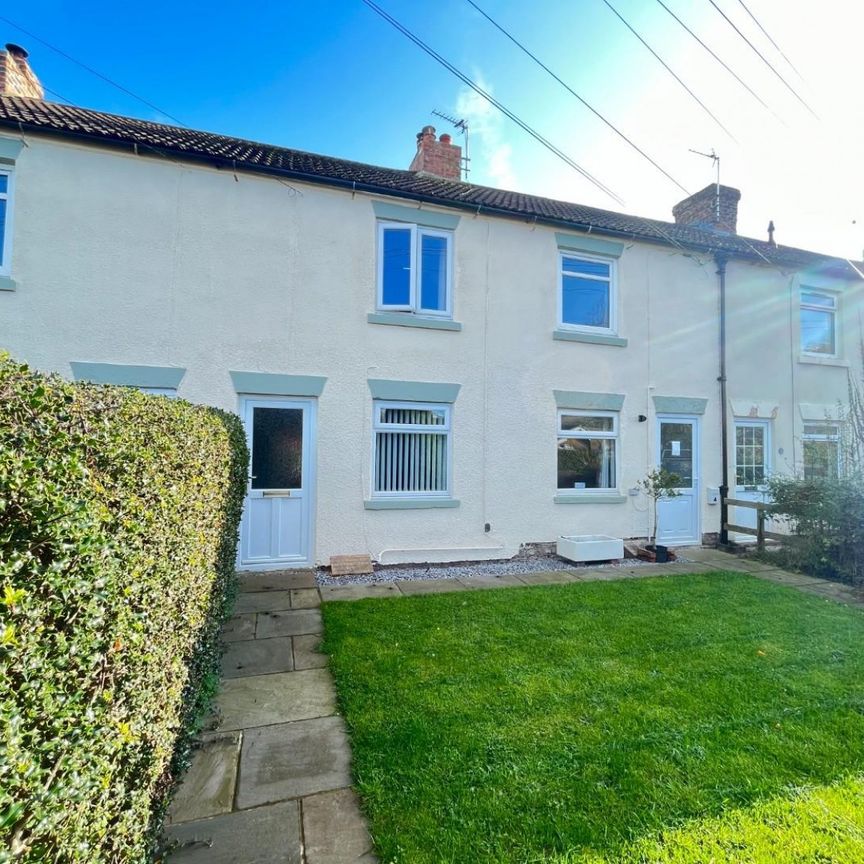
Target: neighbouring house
(428, 370)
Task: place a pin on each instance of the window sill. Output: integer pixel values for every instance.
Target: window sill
(407, 319)
(7, 283)
(822, 361)
(611, 498)
(561, 335)
(409, 503)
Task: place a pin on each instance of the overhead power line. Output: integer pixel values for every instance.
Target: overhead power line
(720, 60)
(493, 101)
(670, 70)
(768, 37)
(91, 70)
(570, 90)
(764, 59)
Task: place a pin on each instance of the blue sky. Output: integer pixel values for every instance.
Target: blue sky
(333, 77)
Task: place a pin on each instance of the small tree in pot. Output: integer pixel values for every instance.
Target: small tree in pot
(656, 484)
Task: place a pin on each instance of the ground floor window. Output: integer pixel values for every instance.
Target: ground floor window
(821, 451)
(587, 450)
(412, 450)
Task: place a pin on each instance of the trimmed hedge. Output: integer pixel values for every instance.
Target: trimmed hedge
(119, 515)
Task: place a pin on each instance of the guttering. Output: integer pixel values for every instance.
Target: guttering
(721, 261)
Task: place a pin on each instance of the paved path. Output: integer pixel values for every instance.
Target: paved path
(272, 783)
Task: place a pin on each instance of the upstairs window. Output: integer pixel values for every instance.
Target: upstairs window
(818, 323)
(414, 269)
(821, 451)
(412, 450)
(587, 450)
(5, 220)
(587, 296)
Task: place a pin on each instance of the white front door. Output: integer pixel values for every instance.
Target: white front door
(678, 452)
(752, 468)
(277, 520)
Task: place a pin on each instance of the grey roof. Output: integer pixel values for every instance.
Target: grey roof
(156, 139)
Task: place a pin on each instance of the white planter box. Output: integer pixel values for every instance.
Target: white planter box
(590, 547)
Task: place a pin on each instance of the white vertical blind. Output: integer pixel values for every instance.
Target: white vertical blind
(411, 449)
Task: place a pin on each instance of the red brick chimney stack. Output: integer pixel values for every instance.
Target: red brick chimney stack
(16, 76)
(714, 207)
(437, 156)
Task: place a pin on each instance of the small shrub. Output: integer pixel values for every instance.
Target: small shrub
(118, 525)
(826, 517)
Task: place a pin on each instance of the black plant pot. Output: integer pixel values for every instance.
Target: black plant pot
(661, 554)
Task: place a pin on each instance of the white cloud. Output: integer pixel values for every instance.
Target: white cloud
(491, 155)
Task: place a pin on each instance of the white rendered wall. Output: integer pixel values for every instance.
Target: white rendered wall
(126, 259)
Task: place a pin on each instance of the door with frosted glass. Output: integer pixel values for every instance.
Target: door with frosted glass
(678, 452)
(276, 525)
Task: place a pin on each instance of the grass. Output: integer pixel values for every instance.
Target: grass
(711, 718)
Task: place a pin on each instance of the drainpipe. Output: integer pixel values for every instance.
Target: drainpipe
(721, 260)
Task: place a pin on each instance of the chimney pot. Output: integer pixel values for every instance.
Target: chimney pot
(437, 156)
(16, 76)
(715, 207)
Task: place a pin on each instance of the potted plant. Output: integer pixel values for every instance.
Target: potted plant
(656, 484)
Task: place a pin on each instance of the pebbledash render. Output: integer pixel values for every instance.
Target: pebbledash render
(429, 370)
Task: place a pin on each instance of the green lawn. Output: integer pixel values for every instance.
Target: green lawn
(680, 719)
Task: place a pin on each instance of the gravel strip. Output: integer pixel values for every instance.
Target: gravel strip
(515, 566)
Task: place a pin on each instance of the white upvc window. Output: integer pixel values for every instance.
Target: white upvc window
(6, 183)
(587, 295)
(821, 446)
(411, 450)
(818, 318)
(587, 451)
(415, 267)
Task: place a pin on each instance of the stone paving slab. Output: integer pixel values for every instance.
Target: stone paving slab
(296, 622)
(207, 788)
(279, 698)
(275, 580)
(358, 592)
(783, 577)
(293, 759)
(334, 830)
(262, 601)
(430, 586)
(548, 577)
(305, 598)
(266, 835)
(306, 654)
(258, 657)
(475, 583)
(239, 627)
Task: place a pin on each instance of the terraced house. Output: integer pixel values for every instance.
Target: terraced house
(428, 370)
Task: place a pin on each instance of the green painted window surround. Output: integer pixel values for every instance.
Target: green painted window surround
(7, 284)
(587, 243)
(679, 405)
(590, 499)
(269, 384)
(10, 149)
(409, 319)
(416, 215)
(162, 377)
(561, 335)
(409, 503)
(412, 391)
(581, 401)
